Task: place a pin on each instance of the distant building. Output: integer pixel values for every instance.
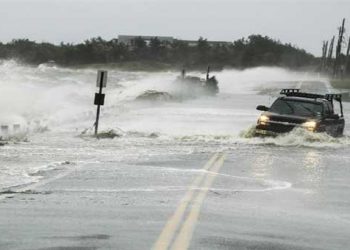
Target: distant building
(221, 43)
(193, 43)
(190, 43)
(129, 40)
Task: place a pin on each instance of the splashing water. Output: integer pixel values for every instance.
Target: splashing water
(60, 101)
(58, 98)
(298, 137)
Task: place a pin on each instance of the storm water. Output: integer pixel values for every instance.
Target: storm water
(47, 116)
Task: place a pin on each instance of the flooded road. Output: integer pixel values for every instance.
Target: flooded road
(181, 174)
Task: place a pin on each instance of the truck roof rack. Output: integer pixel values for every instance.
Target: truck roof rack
(328, 97)
(331, 97)
(288, 91)
(297, 93)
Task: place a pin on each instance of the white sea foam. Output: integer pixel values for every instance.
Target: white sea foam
(59, 99)
(298, 138)
(16, 176)
(258, 186)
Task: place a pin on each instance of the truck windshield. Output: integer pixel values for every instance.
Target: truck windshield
(297, 108)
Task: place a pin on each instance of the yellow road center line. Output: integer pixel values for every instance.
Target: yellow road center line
(172, 224)
(184, 237)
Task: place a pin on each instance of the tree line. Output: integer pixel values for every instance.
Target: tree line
(256, 50)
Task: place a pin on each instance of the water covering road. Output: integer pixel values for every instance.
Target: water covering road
(183, 174)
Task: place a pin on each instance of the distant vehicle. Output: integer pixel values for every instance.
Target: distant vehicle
(207, 86)
(313, 112)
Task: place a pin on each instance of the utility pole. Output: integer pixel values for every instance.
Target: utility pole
(338, 49)
(324, 55)
(208, 71)
(99, 97)
(330, 53)
(347, 66)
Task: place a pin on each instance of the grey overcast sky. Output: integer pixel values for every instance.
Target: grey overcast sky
(304, 23)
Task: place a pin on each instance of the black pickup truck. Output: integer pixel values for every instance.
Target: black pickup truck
(313, 112)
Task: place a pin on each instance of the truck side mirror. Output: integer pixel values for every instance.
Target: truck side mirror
(262, 108)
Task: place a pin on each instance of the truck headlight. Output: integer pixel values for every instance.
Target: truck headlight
(263, 120)
(309, 125)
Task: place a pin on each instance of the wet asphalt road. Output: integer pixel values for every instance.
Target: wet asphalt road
(295, 200)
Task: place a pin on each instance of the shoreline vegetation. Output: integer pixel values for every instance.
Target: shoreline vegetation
(341, 83)
(156, 55)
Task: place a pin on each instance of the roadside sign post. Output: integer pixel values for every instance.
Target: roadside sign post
(99, 97)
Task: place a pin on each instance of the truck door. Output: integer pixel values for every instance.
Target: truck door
(333, 123)
(328, 121)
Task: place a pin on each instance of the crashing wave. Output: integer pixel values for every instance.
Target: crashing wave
(154, 95)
